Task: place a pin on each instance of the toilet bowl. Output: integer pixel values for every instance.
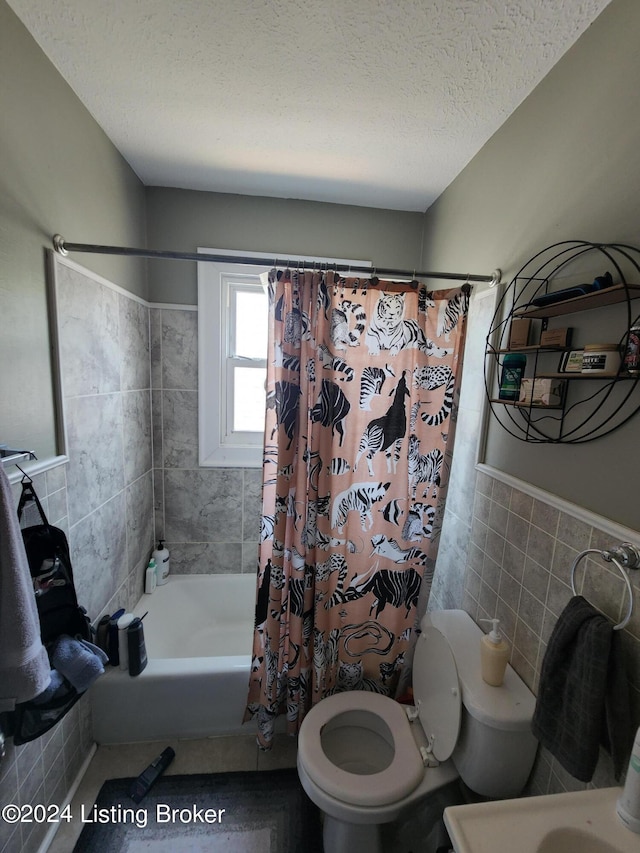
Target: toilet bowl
(363, 758)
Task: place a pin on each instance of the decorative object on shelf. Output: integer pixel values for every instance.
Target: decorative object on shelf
(519, 333)
(551, 405)
(571, 361)
(542, 392)
(513, 367)
(632, 351)
(602, 359)
(560, 337)
(554, 296)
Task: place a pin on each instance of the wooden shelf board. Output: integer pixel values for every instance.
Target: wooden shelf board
(520, 405)
(598, 299)
(529, 348)
(578, 375)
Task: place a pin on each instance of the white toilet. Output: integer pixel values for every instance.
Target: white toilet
(363, 758)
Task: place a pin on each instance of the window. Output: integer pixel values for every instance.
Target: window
(246, 372)
(232, 367)
(232, 350)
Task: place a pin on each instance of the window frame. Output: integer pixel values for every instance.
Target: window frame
(214, 329)
(214, 333)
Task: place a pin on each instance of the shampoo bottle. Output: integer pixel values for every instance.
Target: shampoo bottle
(123, 648)
(161, 557)
(112, 638)
(494, 655)
(628, 805)
(150, 578)
(136, 647)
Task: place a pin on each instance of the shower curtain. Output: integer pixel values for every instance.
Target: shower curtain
(362, 383)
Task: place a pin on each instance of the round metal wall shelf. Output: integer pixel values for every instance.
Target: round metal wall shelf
(588, 409)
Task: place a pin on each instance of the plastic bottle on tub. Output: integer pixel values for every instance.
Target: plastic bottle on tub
(161, 557)
(150, 577)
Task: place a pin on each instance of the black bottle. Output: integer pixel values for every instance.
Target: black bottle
(112, 638)
(147, 779)
(136, 646)
(102, 633)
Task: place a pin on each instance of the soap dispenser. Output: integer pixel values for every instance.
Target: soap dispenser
(161, 558)
(494, 655)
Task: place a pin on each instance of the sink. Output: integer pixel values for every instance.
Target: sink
(575, 822)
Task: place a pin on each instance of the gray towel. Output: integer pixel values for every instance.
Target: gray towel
(576, 701)
(78, 660)
(24, 664)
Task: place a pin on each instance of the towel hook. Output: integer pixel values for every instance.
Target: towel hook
(608, 556)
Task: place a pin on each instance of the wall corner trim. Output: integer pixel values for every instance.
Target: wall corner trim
(48, 839)
(607, 525)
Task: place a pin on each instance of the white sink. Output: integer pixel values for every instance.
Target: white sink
(577, 822)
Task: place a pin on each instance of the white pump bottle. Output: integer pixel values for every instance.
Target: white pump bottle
(161, 557)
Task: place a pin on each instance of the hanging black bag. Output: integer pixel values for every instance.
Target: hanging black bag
(59, 613)
(50, 566)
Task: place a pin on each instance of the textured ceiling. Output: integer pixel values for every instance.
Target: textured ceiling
(368, 102)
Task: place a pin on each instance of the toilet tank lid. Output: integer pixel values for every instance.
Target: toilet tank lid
(509, 707)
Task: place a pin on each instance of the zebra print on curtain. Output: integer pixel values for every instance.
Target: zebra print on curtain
(361, 393)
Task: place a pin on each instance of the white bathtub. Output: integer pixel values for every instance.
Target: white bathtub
(198, 634)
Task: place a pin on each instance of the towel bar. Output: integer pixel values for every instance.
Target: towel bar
(624, 555)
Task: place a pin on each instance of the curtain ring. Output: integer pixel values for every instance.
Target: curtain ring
(356, 282)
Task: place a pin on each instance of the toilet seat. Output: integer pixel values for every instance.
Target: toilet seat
(396, 781)
(436, 691)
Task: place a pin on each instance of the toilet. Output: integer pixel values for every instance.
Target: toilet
(364, 758)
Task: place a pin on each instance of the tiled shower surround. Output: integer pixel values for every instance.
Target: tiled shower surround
(210, 517)
(131, 406)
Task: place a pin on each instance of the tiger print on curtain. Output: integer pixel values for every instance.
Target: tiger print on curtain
(361, 389)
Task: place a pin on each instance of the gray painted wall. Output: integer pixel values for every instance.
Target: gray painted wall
(183, 220)
(566, 165)
(59, 174)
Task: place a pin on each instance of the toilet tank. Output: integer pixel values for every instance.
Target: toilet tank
(495, 749)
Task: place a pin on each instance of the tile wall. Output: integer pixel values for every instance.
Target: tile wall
(519, 557)
(105, 362)
(103, 499)
(210, 517)
(42, 772)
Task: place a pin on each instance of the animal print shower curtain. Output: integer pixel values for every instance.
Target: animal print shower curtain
(362, 382)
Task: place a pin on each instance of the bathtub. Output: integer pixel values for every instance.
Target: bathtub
(198, 634)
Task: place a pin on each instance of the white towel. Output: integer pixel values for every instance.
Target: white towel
(24, 665)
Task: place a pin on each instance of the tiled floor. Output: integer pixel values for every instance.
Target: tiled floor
(211, 755)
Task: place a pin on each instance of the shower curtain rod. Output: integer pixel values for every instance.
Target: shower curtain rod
(62, 247)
